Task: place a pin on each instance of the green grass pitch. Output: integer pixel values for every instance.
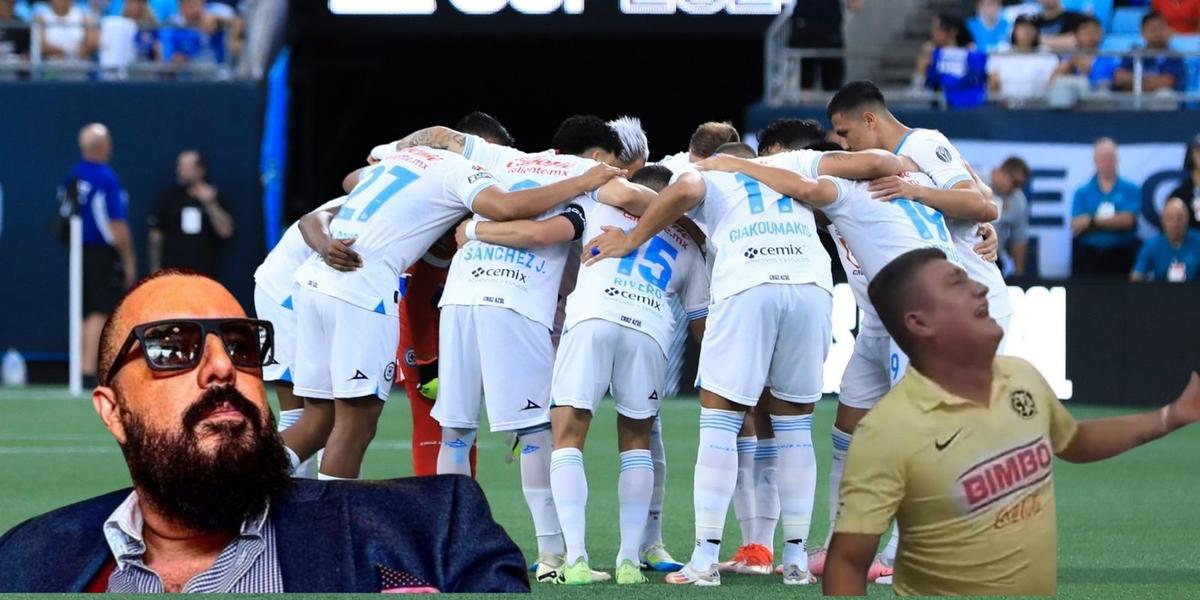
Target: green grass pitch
(1128, 527)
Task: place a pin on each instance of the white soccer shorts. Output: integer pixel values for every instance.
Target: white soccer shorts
(898, 360)
(492, 354)
(283, 319)
(342, 350)
(866, 378)
(595, 356)
(769, 333)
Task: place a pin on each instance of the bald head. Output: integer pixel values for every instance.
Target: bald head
(1105, 154)
(710, 136)
(167, 294)
(1175, 220)
(94, 142)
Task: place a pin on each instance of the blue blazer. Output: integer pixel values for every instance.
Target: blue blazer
(331, 536)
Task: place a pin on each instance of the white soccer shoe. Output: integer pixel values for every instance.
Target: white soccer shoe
(549, 569)
(687, 576)
(795, 575)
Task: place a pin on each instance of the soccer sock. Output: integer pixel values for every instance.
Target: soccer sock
(766, 493)
(308, 469)
(797, 483)
(888, 556)
(324, 477)
(287, 418)
(535, 483)
(841, 443)
(743, 489)
(658, 453)
(426, 436)
(454, 454)
(293, 459)
(568, 483)
(634, 488)
(716, 475)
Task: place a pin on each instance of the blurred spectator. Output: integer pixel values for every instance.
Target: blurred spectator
(951, 66)
(14, 33)
(193, 35)
(1104, 219)
(991, 32)
(1182, 16)
(1162, 69)
(1024, 72)
(1086, 61)
(189, 223)
(109, 263)
(1189, 190)
(65, 31)
(1057, 25)
(146, 42)
(1008, 182)
(817, 25)
(1174, 254)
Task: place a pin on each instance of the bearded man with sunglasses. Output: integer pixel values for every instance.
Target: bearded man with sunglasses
(212, 508)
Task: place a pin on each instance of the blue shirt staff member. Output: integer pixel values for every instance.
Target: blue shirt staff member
(1104, 219)
(1173, 255)
(109, 263)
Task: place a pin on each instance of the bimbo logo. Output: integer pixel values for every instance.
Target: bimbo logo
(1006, 473)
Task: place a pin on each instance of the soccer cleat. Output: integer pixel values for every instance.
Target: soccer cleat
(656, 558)
(880, 572)
(549, 568)
(751, 559)
(686, 576)
(816, 562)
(629, 573)
(795, 575)
(577, 574)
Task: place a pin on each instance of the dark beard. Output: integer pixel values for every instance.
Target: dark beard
(208, 492)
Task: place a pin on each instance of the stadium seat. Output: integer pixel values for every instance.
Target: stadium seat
(1127, 20)
(1118, 42)
(1101, 9)
(1186, 42)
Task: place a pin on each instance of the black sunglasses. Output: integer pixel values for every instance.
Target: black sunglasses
(178, 344)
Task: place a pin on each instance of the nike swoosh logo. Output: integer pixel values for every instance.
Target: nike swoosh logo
(942, 445)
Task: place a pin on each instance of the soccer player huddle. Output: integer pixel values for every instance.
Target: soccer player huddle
(465, 240)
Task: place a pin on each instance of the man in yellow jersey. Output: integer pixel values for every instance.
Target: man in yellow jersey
(961, 451)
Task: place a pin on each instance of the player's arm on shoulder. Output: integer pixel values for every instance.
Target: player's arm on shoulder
(498, 205)
(676, 199)
(784, 181)
(630, 197)
(526, 233)
(872, 488)
(866, 164)
(442, 138)
(1098, 439)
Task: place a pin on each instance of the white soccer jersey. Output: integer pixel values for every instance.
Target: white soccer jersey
(877, 232)
(677, 162)
(761, 236)
(939, 159)
(522, 280)
(636, 291)
(398, 209)
(277, 273)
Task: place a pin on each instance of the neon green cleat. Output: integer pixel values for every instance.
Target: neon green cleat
(577, 574)
(429, 389)
(629, 573)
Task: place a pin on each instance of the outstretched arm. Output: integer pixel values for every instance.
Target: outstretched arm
(964, 201)
(1098, 439)
(847, 563)
(867, 164)
(816, 192)
(518, 234)
(499, 205)
(674, 200)
(629, 197)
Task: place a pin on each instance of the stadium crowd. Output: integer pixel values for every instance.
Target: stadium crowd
(117, 34)
(1059, 52)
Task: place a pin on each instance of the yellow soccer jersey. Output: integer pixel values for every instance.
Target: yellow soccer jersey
(972, 487)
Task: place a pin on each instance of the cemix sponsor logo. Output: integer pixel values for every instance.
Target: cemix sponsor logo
(653, 303)
(513, 274)
(1006, 473)
(788, 250)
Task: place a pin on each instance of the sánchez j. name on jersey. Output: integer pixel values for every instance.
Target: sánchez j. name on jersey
(761, 236)
(636, 290)
(522, 280)
(398, 209)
